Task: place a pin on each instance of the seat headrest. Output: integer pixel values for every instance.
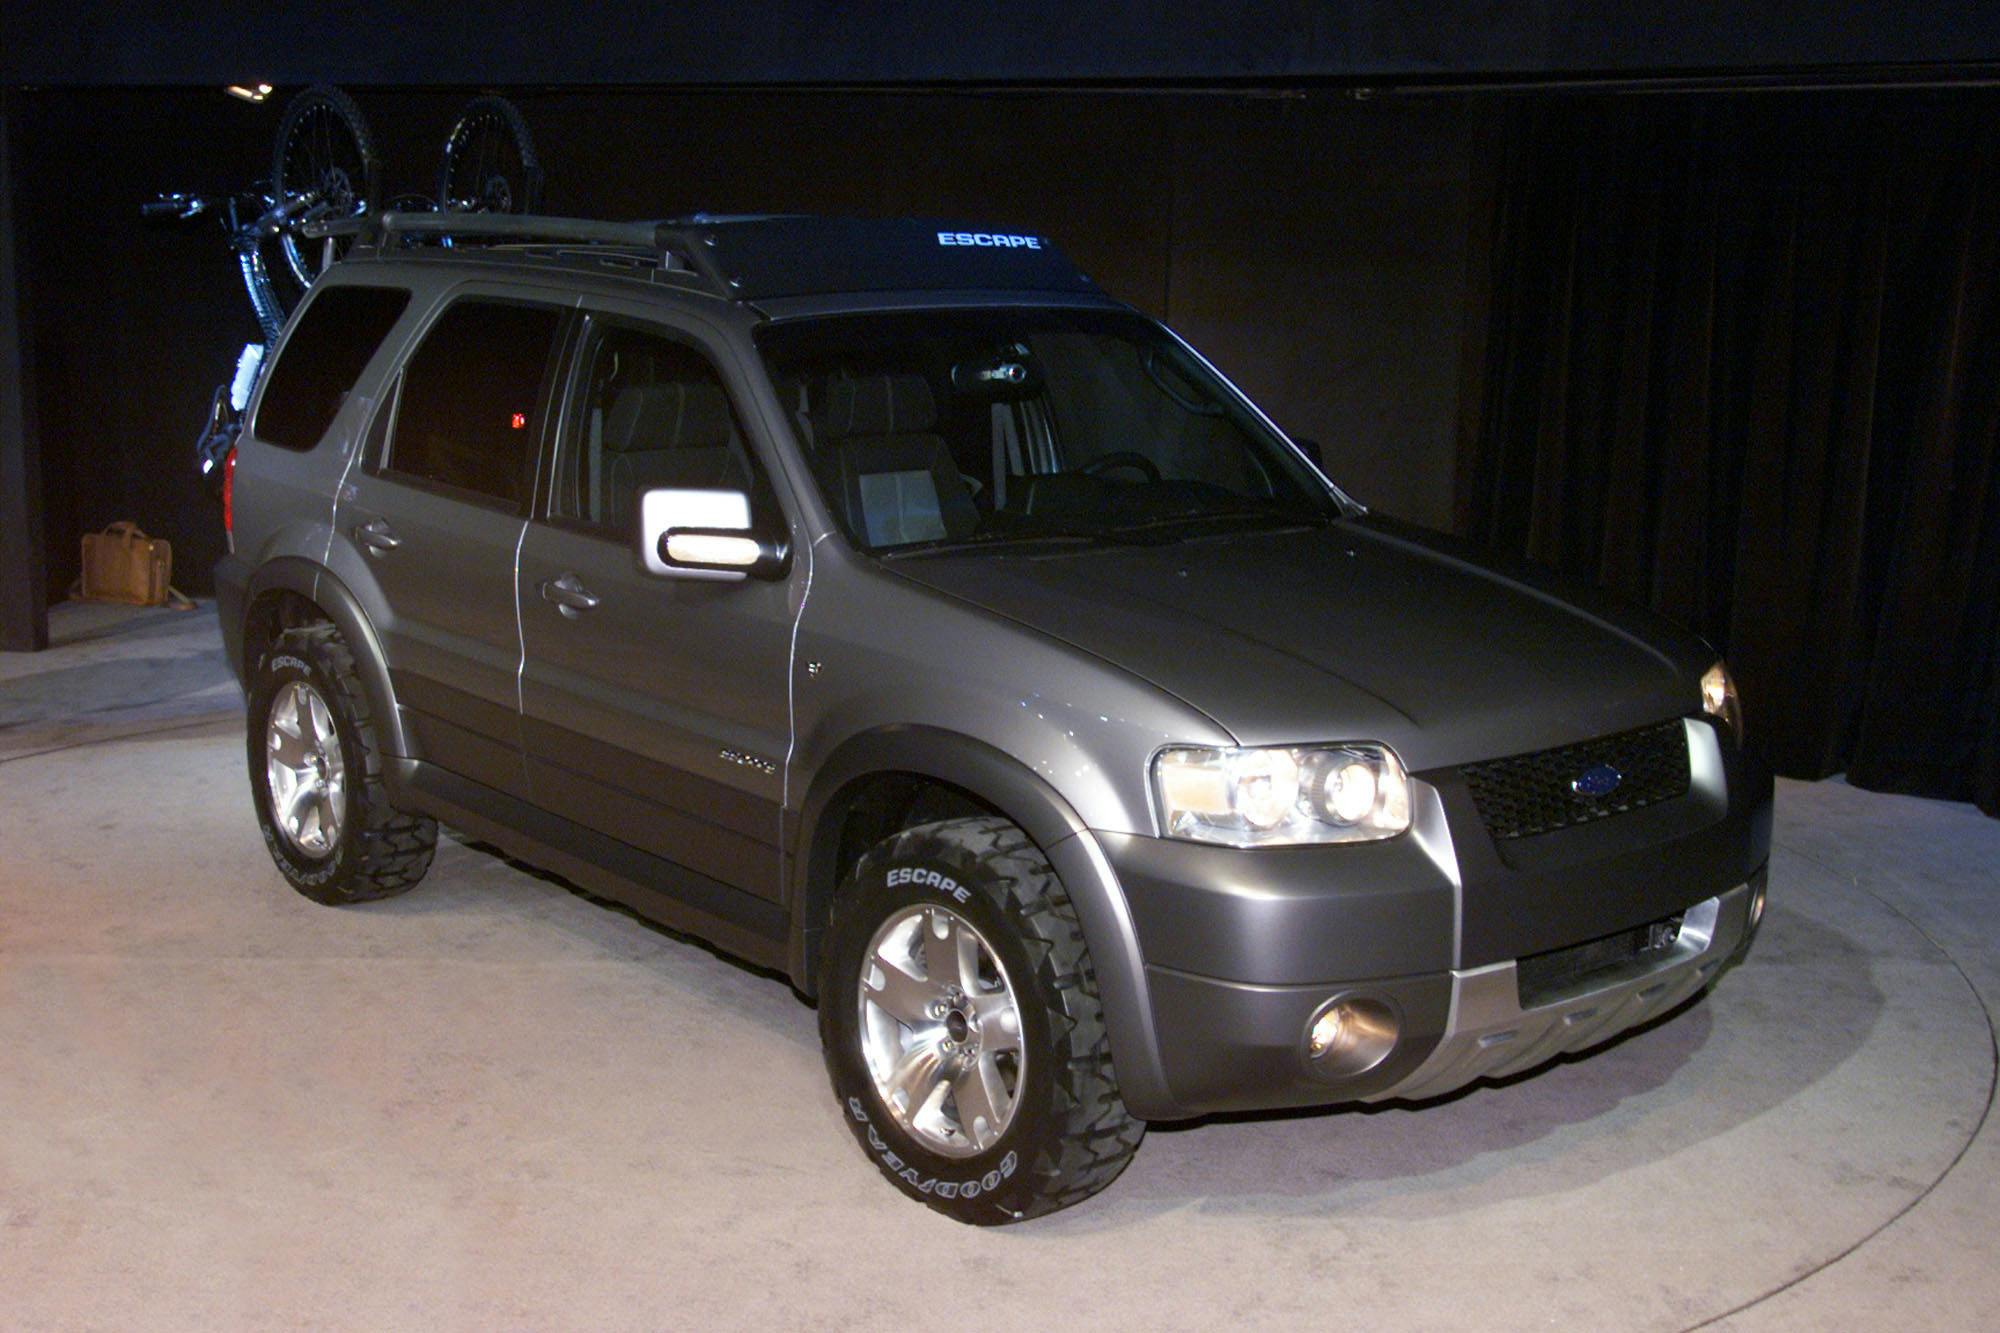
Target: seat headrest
(705, 420)
(646, 417)
(875, 405)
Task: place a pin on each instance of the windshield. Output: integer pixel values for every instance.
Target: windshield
(937, 429)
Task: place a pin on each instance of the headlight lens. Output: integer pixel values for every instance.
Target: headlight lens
(1280, 796)
(1719, 701)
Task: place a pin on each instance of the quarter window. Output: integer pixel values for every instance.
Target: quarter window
(337, 335)
(470, 398)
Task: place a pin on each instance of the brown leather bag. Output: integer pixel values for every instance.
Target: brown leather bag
(123, 564)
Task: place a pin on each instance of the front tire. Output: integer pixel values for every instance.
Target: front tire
(316, 777)
(962, 1026)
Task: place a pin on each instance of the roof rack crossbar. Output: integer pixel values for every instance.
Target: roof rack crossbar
(378, 230)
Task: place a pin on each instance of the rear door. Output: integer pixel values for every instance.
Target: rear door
(437, 511)
(654, 709)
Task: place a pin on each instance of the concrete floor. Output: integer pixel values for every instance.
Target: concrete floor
(495, 1103)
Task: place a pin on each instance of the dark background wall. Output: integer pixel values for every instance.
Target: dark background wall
(1315, 247)
(158, 42)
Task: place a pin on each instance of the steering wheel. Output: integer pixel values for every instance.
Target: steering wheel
(1123, 459)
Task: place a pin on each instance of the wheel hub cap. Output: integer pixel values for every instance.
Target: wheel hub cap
(941, 1030)
(304, 771)
(336, 188)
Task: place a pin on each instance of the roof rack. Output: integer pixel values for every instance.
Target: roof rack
(666, 239)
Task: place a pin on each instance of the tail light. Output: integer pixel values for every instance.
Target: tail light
(229, 493)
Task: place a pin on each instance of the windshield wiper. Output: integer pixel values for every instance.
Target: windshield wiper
(1275, 518)
(949, 545)
(1147, 532)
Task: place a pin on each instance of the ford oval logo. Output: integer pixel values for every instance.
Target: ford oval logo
(1597, 780)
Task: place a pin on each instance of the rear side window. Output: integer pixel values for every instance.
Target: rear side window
(337, 335)
(467, 415)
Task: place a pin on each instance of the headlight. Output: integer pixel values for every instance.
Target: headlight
(1282, 796)
(1719, 701)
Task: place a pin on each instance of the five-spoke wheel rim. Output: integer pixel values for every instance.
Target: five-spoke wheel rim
(941, 1030)
(304, 769)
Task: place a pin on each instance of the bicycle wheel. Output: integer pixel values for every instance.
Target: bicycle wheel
(489, 161)
(326, 158)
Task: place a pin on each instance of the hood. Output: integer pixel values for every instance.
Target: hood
(1360, 630)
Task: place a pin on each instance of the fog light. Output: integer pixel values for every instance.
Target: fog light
(1757, 905)
(1351, 1036)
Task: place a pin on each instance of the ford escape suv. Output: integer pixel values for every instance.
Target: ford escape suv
(885, 604)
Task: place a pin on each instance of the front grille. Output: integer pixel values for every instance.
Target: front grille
(1546, 976)
(1534, 793)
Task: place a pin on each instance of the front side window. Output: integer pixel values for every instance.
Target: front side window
(466, 418)
(336, 337)
(653, 414)
(942, 428)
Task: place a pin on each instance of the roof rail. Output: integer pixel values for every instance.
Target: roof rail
(378, 231)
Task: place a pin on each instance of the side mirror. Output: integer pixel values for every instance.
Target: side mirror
(1310, 448)
(688, 534)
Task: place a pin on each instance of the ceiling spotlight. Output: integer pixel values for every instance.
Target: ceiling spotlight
(249, 92)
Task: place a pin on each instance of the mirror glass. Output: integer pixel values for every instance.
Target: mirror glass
(670, 508)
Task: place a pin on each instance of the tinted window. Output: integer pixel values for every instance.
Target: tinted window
(654, 414)
(470, 393)
(337, 334)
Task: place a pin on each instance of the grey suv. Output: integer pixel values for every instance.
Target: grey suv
(883, 603)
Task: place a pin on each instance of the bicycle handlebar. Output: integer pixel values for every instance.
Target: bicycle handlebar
(173, 206)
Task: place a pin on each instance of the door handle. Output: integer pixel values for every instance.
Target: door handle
(569, 596)
(376, 536)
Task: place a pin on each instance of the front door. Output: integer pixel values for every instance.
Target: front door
(654, 709)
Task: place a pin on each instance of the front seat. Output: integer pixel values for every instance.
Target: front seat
(674, 434)
(892, 475)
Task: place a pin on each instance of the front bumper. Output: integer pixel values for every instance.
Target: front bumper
(1490, 1035)
(1232, 1046)
(1241, 949)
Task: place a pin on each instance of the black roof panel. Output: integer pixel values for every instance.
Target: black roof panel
(814, 256)
(757, 257)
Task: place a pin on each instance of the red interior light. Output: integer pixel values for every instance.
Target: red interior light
(520, 421)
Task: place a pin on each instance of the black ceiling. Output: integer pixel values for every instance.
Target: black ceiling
(514, 42)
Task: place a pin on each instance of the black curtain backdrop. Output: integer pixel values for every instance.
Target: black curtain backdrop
(1740, 362)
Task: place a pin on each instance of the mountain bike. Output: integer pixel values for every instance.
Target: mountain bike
(325, 168)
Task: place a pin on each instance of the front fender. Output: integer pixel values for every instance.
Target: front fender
(1015, 791)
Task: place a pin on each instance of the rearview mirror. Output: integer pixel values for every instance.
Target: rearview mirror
(690, 534)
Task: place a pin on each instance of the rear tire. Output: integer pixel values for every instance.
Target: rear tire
(316, 777)
(1015, 1013)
